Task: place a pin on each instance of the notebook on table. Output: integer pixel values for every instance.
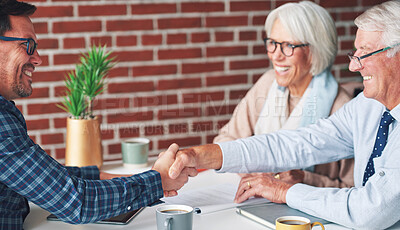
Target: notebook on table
(266, 214)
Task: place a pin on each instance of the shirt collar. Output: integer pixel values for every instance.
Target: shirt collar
(395, 112)
(6, 102)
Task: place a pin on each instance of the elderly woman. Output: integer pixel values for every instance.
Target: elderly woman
(301, 44)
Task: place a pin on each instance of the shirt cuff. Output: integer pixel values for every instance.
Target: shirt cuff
(229, 164)
(296, 194)
(153, 185)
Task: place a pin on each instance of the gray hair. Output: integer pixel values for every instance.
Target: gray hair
(385, 18)
(309, 23)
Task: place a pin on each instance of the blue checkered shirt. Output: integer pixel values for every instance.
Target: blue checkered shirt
(75, 195)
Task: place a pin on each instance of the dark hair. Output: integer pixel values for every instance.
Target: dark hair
(15, 8)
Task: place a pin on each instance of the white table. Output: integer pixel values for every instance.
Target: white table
(146, 220)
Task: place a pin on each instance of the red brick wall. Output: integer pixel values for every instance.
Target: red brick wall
(183, 65)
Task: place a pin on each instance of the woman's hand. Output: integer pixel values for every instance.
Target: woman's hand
(292, 176)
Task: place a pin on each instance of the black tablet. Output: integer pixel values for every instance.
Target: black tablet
(121, 219)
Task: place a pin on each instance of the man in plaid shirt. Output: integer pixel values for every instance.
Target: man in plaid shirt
(27, 173)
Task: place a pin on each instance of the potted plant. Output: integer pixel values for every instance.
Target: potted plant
(83, 142)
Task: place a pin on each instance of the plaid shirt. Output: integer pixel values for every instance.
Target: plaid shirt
(75, 195)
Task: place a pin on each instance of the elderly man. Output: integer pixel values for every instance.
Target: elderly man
(27, 173)
(366, 128)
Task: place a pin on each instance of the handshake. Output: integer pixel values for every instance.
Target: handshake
(176, 166)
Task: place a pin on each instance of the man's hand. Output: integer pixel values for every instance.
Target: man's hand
(202, 156)
(163, 164)
(262, 185)
(185, 158)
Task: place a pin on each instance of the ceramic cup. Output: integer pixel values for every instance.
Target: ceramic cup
(174, 217)
(135, 152)
(295, 223)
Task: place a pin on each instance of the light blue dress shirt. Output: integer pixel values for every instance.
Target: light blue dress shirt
(350, 132)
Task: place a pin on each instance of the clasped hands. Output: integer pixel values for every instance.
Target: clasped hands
(163, 164)
(175, 166)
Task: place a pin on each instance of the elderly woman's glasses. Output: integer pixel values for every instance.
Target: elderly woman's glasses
(286, 48)
(29, 42)
(357, 59)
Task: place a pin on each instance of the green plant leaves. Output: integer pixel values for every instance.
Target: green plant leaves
(74, 101)
(86, 82)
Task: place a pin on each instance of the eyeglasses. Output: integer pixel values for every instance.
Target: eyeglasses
(358, 59)
(286, 48)
(30, 43)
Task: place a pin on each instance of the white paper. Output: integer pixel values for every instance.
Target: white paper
(211, 199)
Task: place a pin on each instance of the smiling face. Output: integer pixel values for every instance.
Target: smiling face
(17, 66)
(381, 74)
(294, 71)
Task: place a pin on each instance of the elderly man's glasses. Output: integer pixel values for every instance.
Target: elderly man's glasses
(358, 59)
(286, 48)
(29, 42)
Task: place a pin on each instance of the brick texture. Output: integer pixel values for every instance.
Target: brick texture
(182, 65)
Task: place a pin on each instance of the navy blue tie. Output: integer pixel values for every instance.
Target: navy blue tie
(380, 143)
